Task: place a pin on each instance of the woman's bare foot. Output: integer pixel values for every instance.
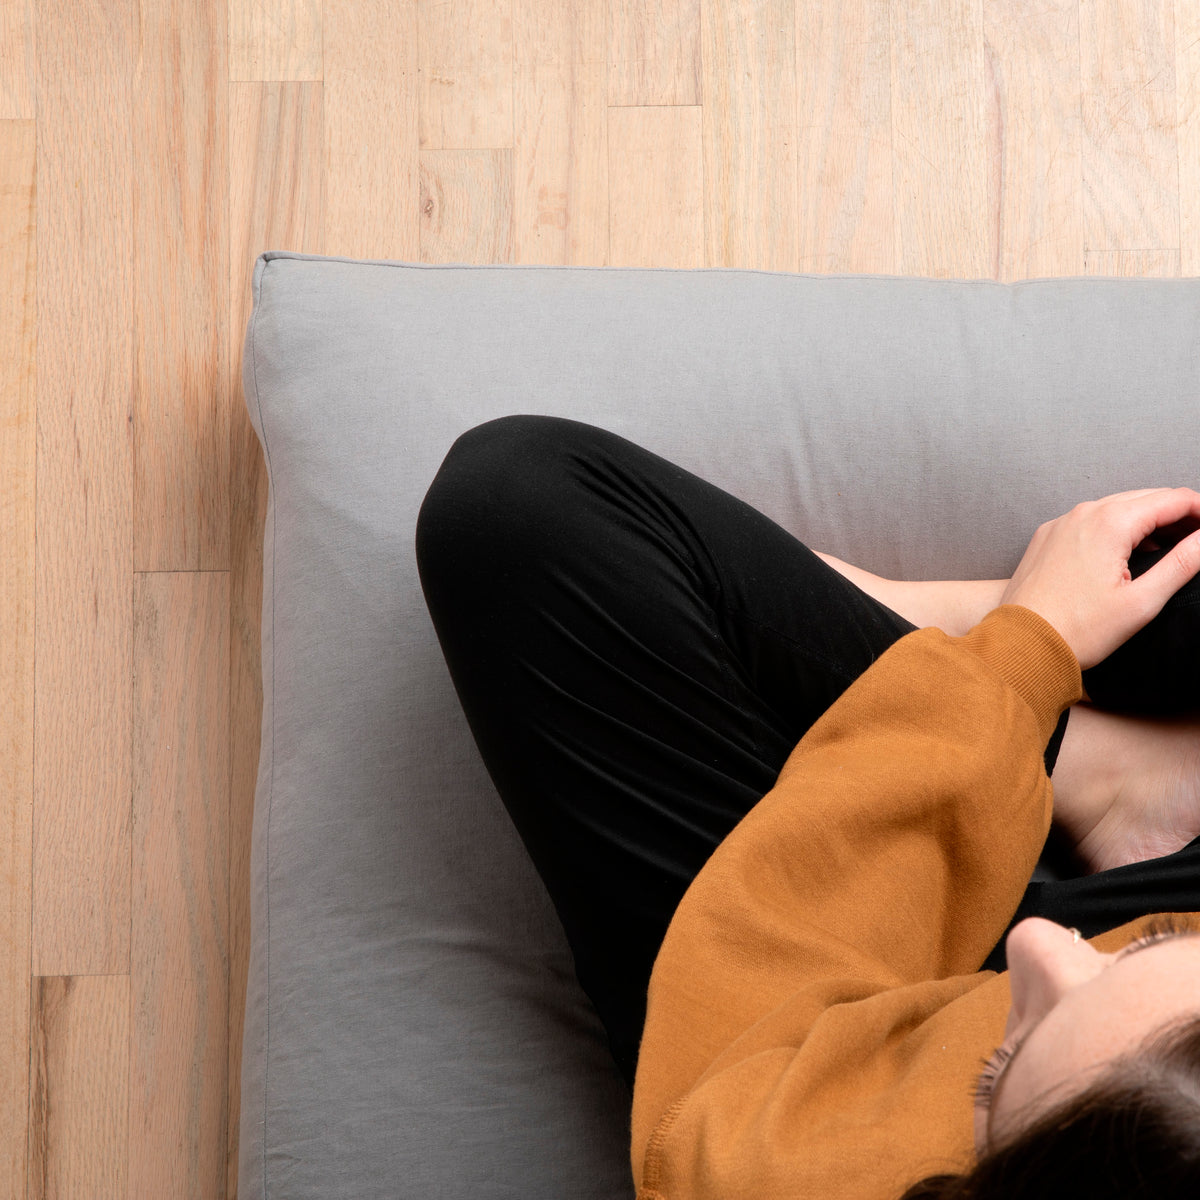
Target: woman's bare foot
(1140, 799)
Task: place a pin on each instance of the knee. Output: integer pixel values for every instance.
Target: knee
(504, 441)
(506, 477)
(507, 445)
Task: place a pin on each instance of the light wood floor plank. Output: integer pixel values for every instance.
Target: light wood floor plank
(371, 83)
(844, 155)
(17, 62)
(1132, 264)
(656, 187)
(178, 1109)
(654, 52)
(560, 147)
(181, 368)
(943, 137)
(275, 41)
(276, 203)
(1187, 109)
(18, 390)
(466, 206)
(84, 490)
(750, 134)
(465, 68)
(79, 1088)
(1032, 96)
(1130, 156)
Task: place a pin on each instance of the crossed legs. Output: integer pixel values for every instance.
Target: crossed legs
(637, 653)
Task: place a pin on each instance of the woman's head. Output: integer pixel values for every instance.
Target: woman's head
(1097, 1083)
(1075, 1010)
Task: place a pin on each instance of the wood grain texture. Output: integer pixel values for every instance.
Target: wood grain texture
(943, 141)
(466, 206)
(844, 153)
(181, 230)
(560, 148)
(371, 77)
(179, 963)
(18, 383)
(277, 171)
(1187, 110)
(750, 134)
(275, 41)
(1130, 166)
(79, 1087)
(1031, 81)
(17, 60)
(1132, 264)
(466, 74)
(84, 578)
(654, 52)
(656, 187)
(1143, 264)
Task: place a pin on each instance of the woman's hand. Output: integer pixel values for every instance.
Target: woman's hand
(1076, 575)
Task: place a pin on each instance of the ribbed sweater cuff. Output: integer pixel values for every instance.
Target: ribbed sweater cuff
(1032, 657)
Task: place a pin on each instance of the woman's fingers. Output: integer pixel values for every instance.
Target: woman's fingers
(1075, 571)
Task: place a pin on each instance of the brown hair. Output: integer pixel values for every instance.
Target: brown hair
(1134, 1134)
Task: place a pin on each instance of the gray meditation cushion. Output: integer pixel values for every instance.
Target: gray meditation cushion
(413, 1023)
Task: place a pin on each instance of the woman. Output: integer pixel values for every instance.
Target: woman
(788, 811)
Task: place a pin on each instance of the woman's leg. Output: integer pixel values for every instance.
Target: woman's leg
(953, 605)
(637, 652)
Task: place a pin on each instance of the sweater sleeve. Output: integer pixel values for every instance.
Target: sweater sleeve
(892, 851)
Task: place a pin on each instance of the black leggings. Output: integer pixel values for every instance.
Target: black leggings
(637, 653)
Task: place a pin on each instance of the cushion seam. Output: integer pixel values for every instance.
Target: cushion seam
(962, 282)
(271, 777)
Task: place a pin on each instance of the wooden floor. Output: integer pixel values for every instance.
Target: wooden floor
(150, 151)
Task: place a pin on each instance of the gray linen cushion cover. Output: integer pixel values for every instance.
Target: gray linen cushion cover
(413, 1023)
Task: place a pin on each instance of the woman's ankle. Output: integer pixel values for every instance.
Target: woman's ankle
(1127, 788)
(955, 606)
(1093, 761)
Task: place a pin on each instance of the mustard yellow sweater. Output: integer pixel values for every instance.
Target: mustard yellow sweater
(816, 1015)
